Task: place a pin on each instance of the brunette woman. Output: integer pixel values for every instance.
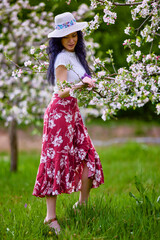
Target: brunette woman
(69, 162)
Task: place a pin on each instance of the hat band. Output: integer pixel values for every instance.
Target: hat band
(66, 25)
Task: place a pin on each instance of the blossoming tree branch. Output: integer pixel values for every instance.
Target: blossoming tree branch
(125, 87)
(139, 83)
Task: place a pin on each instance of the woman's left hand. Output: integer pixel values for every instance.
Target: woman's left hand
(89, 81)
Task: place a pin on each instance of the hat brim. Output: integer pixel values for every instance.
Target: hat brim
(63, 32)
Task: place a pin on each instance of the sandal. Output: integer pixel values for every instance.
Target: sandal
(49, 223)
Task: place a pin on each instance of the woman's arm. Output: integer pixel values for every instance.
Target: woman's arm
(61, 75)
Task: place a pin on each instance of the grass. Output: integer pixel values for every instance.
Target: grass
(121, 122)
(111, 213)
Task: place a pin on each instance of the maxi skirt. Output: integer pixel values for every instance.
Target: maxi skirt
(66, 147)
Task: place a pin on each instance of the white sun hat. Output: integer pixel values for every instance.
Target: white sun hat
(65, 24)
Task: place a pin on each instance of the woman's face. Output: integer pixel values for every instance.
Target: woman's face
(69, 42)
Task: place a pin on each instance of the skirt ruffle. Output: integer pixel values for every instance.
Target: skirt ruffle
(66, 147)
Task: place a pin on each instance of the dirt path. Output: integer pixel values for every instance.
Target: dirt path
(101, 136)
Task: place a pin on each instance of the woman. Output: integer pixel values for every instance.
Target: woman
(69, 162)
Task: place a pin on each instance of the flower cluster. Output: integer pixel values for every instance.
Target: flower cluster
(94, 24)
(127, 30)
(82, 11)
(94, 4)
(109, 16)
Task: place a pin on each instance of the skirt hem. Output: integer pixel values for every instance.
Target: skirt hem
(63, 192)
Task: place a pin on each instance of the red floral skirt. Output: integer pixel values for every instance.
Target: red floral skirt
(66, 146)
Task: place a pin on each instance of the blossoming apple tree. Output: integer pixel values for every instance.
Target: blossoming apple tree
(22, 100)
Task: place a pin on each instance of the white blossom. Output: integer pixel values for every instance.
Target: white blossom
(32, 51)
(42, 47)
(129, 58)
(138, 42)
(94, 24)
(127, 30)
(27, 63)
(158, 112)
(104, 112)
(109, 16)
(138, 54)
(149, 39)
(83, 9)
(1, 94)
(101, 73)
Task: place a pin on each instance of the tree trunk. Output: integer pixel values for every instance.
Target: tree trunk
(13, 145)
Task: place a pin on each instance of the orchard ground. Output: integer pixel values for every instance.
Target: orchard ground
(99, 131)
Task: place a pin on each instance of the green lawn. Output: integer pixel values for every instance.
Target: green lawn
(110, 214)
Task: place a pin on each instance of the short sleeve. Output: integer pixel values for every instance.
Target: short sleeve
(61, 59)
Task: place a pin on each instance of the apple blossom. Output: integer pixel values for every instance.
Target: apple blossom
(126, 42)
(127, 30)
(94, 24)
(82, 9)
(129, 58)
(138, 54)
(104, 113)
(109, 16)
(158, 108)
(101, 74)
(138, 42)
(42, 47)
(94, 4)
(27, 63)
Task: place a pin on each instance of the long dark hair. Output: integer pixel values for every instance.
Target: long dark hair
(55, 47)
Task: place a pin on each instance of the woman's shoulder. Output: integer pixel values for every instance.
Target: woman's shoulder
(67, 54)
(65, 57)
(62, 54)
(61, 59)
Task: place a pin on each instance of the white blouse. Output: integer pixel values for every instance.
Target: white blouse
(64, 58)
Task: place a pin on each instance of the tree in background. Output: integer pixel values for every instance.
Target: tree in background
(22, 100)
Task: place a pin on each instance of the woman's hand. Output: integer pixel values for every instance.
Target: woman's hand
(86, 82)
(61, 75)
(89, 81)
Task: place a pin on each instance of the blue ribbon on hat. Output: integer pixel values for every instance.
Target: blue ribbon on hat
(66, 25)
